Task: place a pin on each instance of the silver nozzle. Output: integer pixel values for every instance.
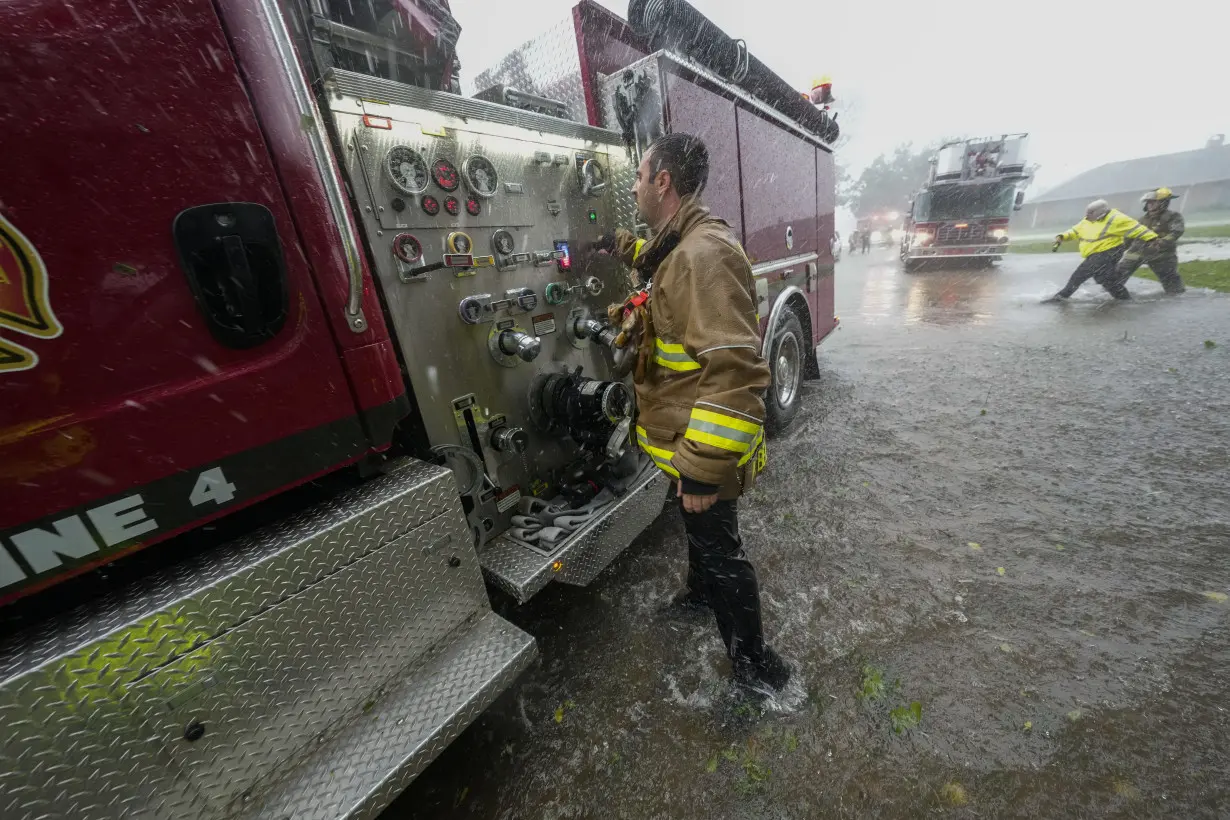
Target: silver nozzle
(522, 345)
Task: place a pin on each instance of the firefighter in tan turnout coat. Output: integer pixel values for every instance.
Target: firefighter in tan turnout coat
(699, 386)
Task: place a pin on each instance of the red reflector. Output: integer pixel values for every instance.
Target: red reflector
(377, 122)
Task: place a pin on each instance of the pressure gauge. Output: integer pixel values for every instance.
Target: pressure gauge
(406, 169)
(445, 175)
(502, 242)
(407, 248)
(452, 205)
(430, 205)
(471, 308)
(474, 206)
(481, 176)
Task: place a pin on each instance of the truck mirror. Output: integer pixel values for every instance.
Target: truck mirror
(1020, 200)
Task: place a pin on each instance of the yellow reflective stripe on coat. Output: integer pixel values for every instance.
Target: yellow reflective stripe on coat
(759, 450)
(636, 251)
(661, 457)
(762, 458)
(1108, 233)
(720, 430)
(673, 356)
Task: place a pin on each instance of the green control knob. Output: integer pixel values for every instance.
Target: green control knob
(557, 293)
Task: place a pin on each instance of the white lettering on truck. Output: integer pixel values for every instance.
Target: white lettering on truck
(42, 549)
(10, 573)
(121, 520)
(115, 522)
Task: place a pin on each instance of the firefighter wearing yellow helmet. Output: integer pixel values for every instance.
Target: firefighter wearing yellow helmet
(821, 90)
(1161, 256)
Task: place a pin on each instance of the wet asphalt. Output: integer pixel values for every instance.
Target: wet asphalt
(1013, 515)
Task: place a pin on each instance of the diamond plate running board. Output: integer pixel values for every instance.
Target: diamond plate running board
(359, 772)
(522, 572)
(194, 691)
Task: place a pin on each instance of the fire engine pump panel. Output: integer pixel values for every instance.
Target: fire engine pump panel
(481, 219)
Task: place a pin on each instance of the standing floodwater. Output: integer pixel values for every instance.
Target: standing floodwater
(1012, 515)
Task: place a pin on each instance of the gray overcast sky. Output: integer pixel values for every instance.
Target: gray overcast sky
(1091, 82)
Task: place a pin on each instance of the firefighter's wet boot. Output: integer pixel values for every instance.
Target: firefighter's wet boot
(769, 671)
(688, 600)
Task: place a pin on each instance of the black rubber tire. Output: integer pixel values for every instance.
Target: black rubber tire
(780, 404)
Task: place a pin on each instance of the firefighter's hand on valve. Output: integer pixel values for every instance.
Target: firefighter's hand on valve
(694, 503)
(604, 243)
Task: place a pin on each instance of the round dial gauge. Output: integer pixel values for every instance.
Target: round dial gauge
(481, 176)
(407, 248)
(471, 310)
(445, 175)
(452, 205)
(474, 206)
(431, 205)
(459, 242)
(502, 242)
(406, 169)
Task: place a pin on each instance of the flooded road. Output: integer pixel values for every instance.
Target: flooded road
(1013, 515)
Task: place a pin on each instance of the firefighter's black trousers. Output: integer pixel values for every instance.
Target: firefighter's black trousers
(719, 571)
(1165, 267)
(1101, 268)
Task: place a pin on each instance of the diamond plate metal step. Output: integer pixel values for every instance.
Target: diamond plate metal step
(390, 740)
(522, 572)
(186, 693)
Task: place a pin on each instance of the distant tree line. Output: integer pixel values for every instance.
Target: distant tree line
(889, 182)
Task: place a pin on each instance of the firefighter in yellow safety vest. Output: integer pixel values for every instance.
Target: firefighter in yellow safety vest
(1102, 234)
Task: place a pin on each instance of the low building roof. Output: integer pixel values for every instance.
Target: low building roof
(1185, 168)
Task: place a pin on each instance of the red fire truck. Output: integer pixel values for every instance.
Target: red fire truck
(299, 347)
(962, 211)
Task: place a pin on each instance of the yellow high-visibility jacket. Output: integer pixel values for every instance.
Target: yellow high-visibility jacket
(701, 412)
(1107, 233)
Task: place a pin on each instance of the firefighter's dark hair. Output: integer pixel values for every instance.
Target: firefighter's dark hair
(685, 157)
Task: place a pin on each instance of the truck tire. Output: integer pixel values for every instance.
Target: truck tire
(787, 357)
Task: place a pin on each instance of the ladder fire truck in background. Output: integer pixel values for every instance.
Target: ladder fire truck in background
(290, 334)
(962, 211)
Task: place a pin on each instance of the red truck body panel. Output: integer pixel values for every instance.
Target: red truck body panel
(762, 178)
(114, 119)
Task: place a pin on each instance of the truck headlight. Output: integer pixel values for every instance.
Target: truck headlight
(922, 238)
(876, 236)
(999, 233)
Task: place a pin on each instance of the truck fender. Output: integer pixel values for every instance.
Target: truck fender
(791, 297)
